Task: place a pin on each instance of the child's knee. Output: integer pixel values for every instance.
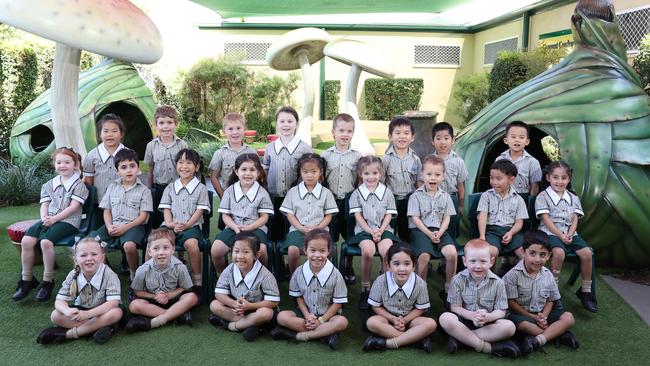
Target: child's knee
(114, 315)
(449, 252)
(293, 251)
(558, 253)
(341, 322)
(191, 245)
(447, 319)
(264, 314)
(46, 244)
(584, 253)
(130, 247)
(424, 258)
(507, 326)
(56, 316)
(284, 316)
(568, 318)
(219, 248)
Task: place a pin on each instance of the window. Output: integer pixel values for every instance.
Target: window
(251, 53)
(436, 56)
(635, 24)
(491, 49)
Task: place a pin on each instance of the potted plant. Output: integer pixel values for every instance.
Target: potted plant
(249, 136)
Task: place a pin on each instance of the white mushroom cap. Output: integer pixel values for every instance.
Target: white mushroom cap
(282, 55)
(113, 28)
(350, 51)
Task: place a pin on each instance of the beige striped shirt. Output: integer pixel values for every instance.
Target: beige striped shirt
(399, 301)
(531, 293)
(58, 195)
(341, 170)
(401, 173)
(309, 207)
(163, 158)
(455, 172)
(502, 211)
(430, 209)
(281, 164)
(318, 291)
(184, 201)
(489, 294)
(103, 286)
(372, 205)
(559, 209)
(258, 285)
(223, 161)
(126, 204)
(100, 165)
(528, 171)
(152, 279)
(246, 208)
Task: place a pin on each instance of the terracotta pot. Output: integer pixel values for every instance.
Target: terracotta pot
(249, 136)
(271, 138)
(260, 152)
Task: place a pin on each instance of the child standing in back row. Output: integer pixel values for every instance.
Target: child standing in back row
(280, 162)
(402, 167)
(529, 172)
(160, 154)
(341, 174)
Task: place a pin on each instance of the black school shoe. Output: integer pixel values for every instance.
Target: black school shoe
(507, 349)
(374, 343)
(363, 301)
(218, 321)
(44, 291)
(281, 333)
(251, 333)
(184, 319)
(588, 300)
(424, 344)
(23, 288)
(333, 341)
(103, 334)
(529, 344)
(52, 335)
(568, 339)
(452, 345)
(350, 278)
(138, 324)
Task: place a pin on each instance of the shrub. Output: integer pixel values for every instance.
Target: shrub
(331, 92)
(20, 183)
(471, 94)
(641, 62)
(385, 98)
(205, 150)
(265, 95)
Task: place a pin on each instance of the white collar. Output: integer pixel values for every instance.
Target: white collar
(379, 191)
(291, 146)
(556, 197)
(250, 276)
(323, 274)
(95, 282)
(302, 190)
(104, 154)
(393, 286)
(56, 182)
(191, 186)
(251, 194)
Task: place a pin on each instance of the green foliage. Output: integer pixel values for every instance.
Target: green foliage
(265, 95)
(25, 90)
(331, 91)
(512, 69)
(20, 183)
(205, 150)
(471, 94)
(385, 98)
(641, 62)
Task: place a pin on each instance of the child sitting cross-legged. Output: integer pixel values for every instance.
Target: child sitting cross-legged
(162, 287)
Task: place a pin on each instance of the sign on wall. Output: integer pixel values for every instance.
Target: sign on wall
(559, 39)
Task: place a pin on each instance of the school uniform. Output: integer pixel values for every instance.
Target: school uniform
(431, 211)
(532, 293)
(280, 163)
(560, 211)
(341, 175)
(223, 161)
(102, 287)
(489, 294)
(163, 158)
(319, 291)
(183, 202)
(100, 165)
(125, 204)
(309, 208)
(528, 171)
(258, 285)
(399, 301)
(149, 278)
(373, 206)
(58, 195)
(455, 175)
(501, 216)
(401, 176)
(244, 209)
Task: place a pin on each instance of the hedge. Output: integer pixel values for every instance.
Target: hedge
(386, 98)
(331, 92)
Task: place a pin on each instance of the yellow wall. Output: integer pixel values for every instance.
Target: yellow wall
(501, 32)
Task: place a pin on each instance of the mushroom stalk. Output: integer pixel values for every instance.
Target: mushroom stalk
(304, 127)
(360, 140)
(63, 99)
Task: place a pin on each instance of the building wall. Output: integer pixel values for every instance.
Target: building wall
(498, 33)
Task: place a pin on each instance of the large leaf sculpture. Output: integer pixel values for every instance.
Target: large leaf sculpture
(594, 105)
(109, 82)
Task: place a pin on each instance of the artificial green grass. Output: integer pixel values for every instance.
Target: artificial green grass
(615, 335)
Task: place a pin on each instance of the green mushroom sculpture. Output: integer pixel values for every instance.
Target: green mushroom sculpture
(593, 104)
(110, 87)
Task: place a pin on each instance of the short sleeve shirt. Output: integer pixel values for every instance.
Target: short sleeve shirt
(401, 173)
(183, 201)
(455, 172)
(430, 209)
(341, 170)
(489, 294)
(126, 204)
(309, 207)
(559, 209)
(319, 291)
(531, 293)
(163, 158)
(257, 285)
(100, 165)
(152, 279)
(223, 161)
(502, 211)
(374, 206)
(528, 171)
(281, 164)
(399, 301)
(59, 195)
(103, 286)
(245, 208)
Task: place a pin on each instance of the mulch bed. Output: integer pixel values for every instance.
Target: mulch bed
(640, 276)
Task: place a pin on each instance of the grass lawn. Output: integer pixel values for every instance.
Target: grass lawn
(614, 336)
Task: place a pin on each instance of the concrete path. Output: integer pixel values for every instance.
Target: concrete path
(638, 296)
